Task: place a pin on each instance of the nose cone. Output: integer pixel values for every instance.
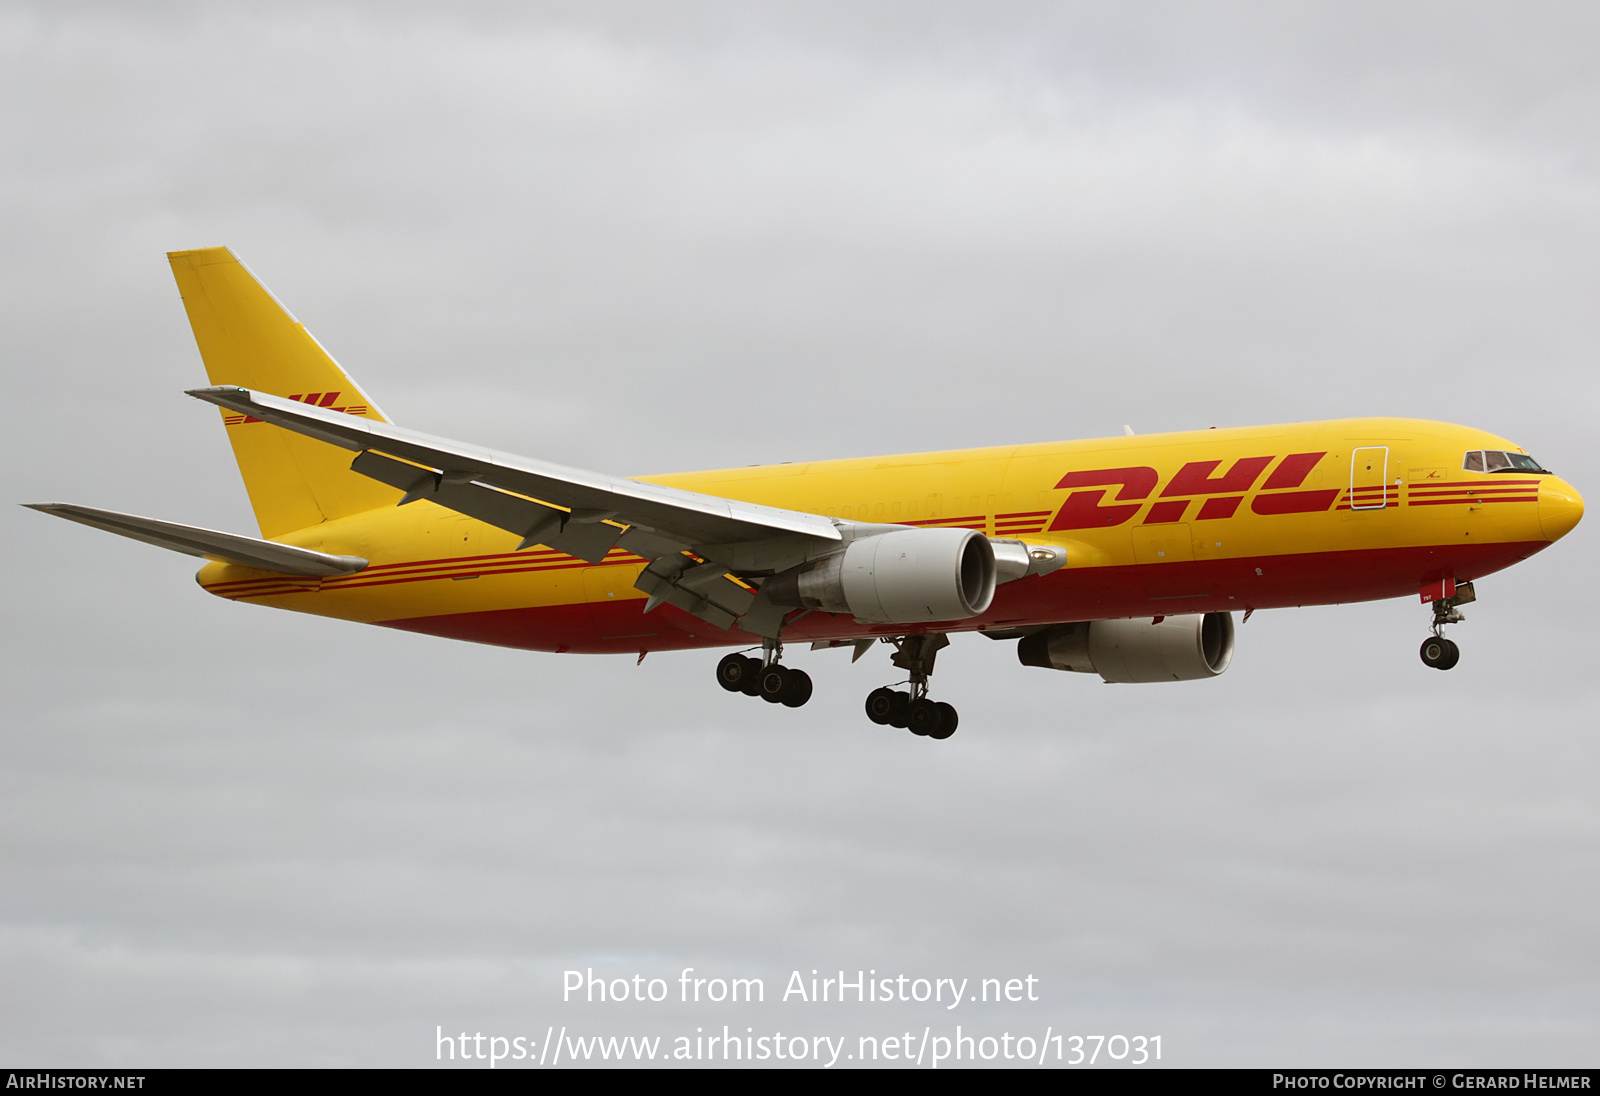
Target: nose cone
(1560, 507)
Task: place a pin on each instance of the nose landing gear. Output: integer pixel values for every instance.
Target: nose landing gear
(912, 710)
(1437, 651)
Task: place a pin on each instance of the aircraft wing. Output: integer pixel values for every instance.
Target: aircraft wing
(688, 515)
(582, 513)
(264, 555)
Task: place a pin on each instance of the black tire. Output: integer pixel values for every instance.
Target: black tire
(898, 703)
(880, 706)
(751, 685)
(923, 717)
(1435, 650)
(1452, 655)
(732, 672)
(948, 721)
(774, 680)
(798, 690)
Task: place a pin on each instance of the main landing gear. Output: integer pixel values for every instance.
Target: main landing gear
(913, 710)
(1437, 651)
(765, 677)
(776, 683)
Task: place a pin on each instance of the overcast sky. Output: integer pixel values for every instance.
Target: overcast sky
(656, 237)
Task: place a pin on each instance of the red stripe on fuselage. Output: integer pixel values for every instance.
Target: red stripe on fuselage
(968, 522)
(1467, 492)
(476, 572)
(1473, 500)
(383, 574)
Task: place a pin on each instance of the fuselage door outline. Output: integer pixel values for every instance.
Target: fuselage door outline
(1364, 462)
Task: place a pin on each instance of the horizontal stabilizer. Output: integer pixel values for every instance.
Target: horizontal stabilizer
(264, 555)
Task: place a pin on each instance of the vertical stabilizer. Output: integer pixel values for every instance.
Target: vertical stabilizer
(247, 338)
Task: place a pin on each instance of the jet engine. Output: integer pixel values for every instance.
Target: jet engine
(1174, 648)
(904, 577)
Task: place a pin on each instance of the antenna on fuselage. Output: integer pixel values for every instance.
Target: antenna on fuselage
(1128, 430)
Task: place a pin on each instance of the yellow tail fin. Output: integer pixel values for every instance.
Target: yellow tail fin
(247, 338)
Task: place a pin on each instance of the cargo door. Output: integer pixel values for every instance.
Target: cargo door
(1369, 478)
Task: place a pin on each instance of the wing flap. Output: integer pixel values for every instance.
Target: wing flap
(702, 589)
(534, 522)
(263, 555)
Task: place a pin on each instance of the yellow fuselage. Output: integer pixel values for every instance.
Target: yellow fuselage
(1200, 521)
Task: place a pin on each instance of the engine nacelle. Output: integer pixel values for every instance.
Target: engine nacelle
(1178, 648)
(905, 577)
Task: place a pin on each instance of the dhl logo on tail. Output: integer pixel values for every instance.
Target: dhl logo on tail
(315, 399)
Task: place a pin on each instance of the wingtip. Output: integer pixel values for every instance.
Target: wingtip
(216, 391)
(55, 509)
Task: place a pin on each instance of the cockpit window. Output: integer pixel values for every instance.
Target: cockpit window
(1493, 460)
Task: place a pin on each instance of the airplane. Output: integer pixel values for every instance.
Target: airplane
(1124, 557)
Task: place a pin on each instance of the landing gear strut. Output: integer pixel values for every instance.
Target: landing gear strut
(765, 677)
(1437, 651)
(913, 710)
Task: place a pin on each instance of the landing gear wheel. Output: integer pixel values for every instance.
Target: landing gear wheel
(774, 681)
(948, 721)
(733, 671)
(797, 690)
(1440, 653)
(880, 705)
(898, 704)
(923, 717)
(750, 685)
